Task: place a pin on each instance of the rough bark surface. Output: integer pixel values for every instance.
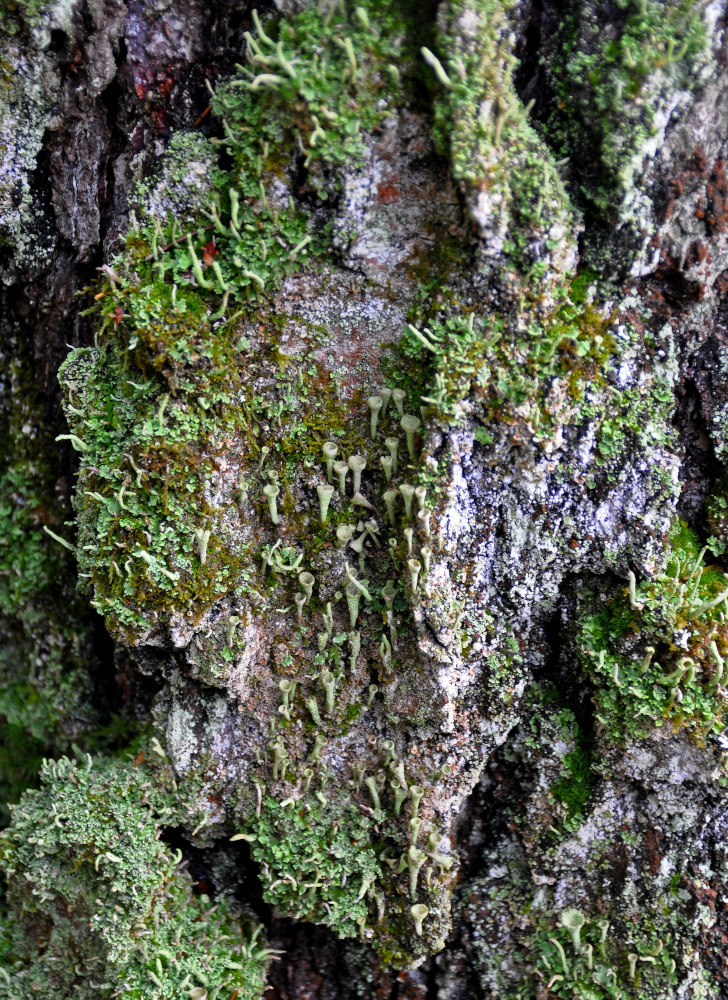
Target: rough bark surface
(364, 423)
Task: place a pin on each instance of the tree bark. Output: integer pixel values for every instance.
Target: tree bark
(454, 686)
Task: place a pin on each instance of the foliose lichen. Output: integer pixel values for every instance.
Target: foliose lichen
(657, 651)
(97, 902)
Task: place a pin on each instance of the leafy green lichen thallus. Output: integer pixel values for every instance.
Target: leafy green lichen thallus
(657, 654)
(150, 406)
(85, 862)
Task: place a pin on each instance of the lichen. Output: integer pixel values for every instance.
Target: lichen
(47, 659)
(511, 183)
(154, 408)
(656, 652)
(281, 519)
(97, 901)
(30, 83)
(618, 78)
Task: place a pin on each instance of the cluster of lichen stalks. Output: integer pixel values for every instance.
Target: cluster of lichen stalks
(405, 508)
(659, 652)
(592, 965)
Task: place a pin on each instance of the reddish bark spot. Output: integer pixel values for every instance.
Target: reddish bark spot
(387, 193)
(159, 120)
(654, 857)
(716, 191)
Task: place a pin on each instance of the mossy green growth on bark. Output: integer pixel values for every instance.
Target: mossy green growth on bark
(27, 10)
(143, 501)
(587, 957)
(552, 724)
(590, 950)
(317, 861)
(511, 182)
(656, 651)
(96, 901)
(160, 400)
(618, 72)
(336, 853)
(47, 658)
(571, 366)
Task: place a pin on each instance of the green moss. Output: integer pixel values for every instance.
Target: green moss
(332, 854)
(552, 743)
(615, 74)
(512, 183)
(316, 86)
(680, 616)
(17, 16)
(616, 955)
(29, 10)
(143, 491)
(157, 406)
(47, 660)
(575, 786)
(96, 897)
(470, 355)
(317, 861)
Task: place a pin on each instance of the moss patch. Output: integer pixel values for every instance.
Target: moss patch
(656, 653)
(615, 74)
(96, 898)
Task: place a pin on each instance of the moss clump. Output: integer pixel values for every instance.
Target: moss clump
(316, 87)
(565, 367)
(656, 654)
(143, 498)
(341, 859)
(28, 10)
(97, 902)
(47, 659)
(317, 861)
(317, 84)
(600, 951)
(618, 72)
(576, 784)
(158, 408)
(511, 182)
